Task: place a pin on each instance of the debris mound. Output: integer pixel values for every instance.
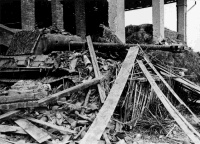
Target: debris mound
(91, 96)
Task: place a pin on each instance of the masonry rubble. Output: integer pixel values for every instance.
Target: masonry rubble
(84, 95)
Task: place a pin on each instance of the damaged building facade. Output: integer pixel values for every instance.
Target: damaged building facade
(82, 17)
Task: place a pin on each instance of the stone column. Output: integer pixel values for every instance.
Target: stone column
(28, 14)
(182, 19)
(80, 18)
(0, 12)
(158, 19)
(116, 18)
(57, 13)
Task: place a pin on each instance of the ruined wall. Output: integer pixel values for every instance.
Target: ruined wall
(96, 13)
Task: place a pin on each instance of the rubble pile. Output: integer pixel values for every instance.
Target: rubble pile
(90, 96)
(68, 117)
(23, 94)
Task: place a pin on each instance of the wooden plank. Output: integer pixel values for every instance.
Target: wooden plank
(14, 129)
(99, 124)
(9, 114)
(169, 107)
(170, 89)
(37, 133)
(59, 128)
(96, 68)
(70, 90)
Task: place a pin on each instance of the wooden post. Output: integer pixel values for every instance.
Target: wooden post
(96, 68)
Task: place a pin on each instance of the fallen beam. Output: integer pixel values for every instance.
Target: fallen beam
(96, 68)
(59, 128)
(168, 106)
(70, 90)
(99, 124)
(9, 114)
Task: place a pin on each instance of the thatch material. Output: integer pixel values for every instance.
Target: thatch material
(23, 42)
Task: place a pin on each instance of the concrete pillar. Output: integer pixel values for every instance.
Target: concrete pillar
(57, 13)
(158, 19)
(182, 19)
(0, 12)
(116, 18)
(28, 14)
(80, 18)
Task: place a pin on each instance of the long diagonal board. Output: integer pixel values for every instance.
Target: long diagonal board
(70, 90)
(174, 113)
(169, 87)
(96, 68)
(98, 126)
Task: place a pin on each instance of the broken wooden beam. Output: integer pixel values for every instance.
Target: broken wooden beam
(37, 133)
(9, 114)
(171, 109)
(59, 128)
(70, 90)
(99, 124)
(96, 68)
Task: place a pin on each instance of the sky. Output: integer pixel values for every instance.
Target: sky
(141, 16)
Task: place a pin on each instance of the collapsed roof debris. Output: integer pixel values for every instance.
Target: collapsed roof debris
(88, 95)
